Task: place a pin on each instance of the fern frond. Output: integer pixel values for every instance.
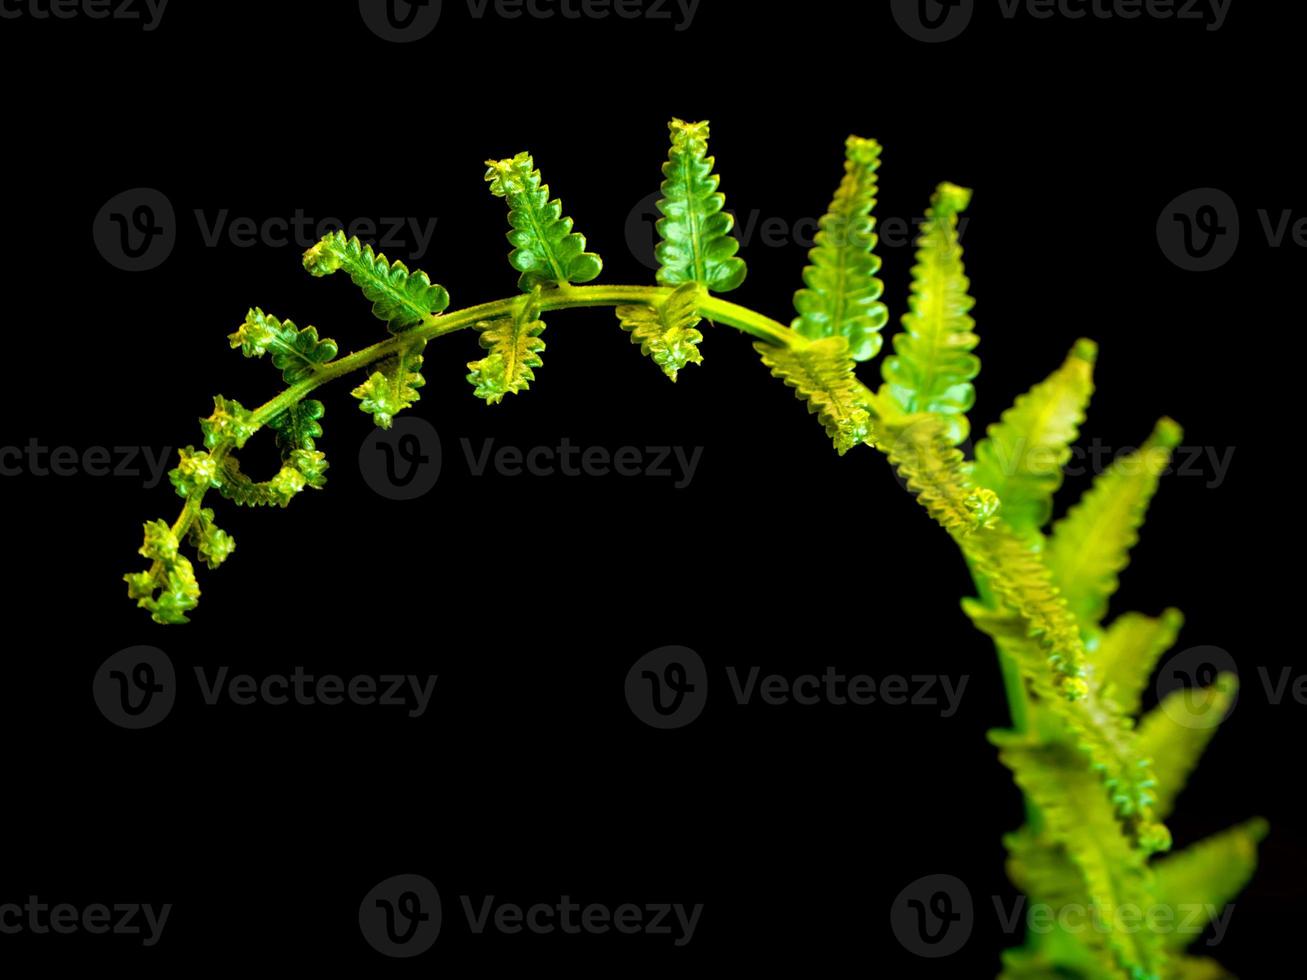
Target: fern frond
(1175, 733)
(842, 297)
(1100, 733)
(697, 244)
(545, 249)
(1115, 873)
(1206, 876)
(932, 366)
(394, 387)
(667, 332)
(1126, 653)
(298, 354)
(1022, 457)
(1091, 545)
(821, 374)
(399, 298)
(515, 347)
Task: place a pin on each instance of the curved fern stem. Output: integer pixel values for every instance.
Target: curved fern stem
(711, 308)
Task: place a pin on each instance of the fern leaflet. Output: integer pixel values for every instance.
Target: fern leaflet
(697, 245)
(932, 366)
(545, 249)
(667, 332)
(842, 294)
(400, 298)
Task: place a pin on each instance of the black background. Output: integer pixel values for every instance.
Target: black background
(530, 778)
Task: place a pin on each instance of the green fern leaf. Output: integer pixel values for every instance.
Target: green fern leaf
(515, 347)
(213, 544)
(667, 332)
(545, 249)
(1175, 733)
(168, 591)
(697, 244)
(933, 469)
(1203, 878)
(1042, 868)
(919, 448)
(299, 425)
(195, 473)
(932, 366)
(1115, 874)
(1105, 737)
(1091, 545)
(298, 354)
(399, 298)
(1022, 457)
(230, 421)
(1126, 653)
(821, 373)
(394, 387)
(842, 297)
(302, 469)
